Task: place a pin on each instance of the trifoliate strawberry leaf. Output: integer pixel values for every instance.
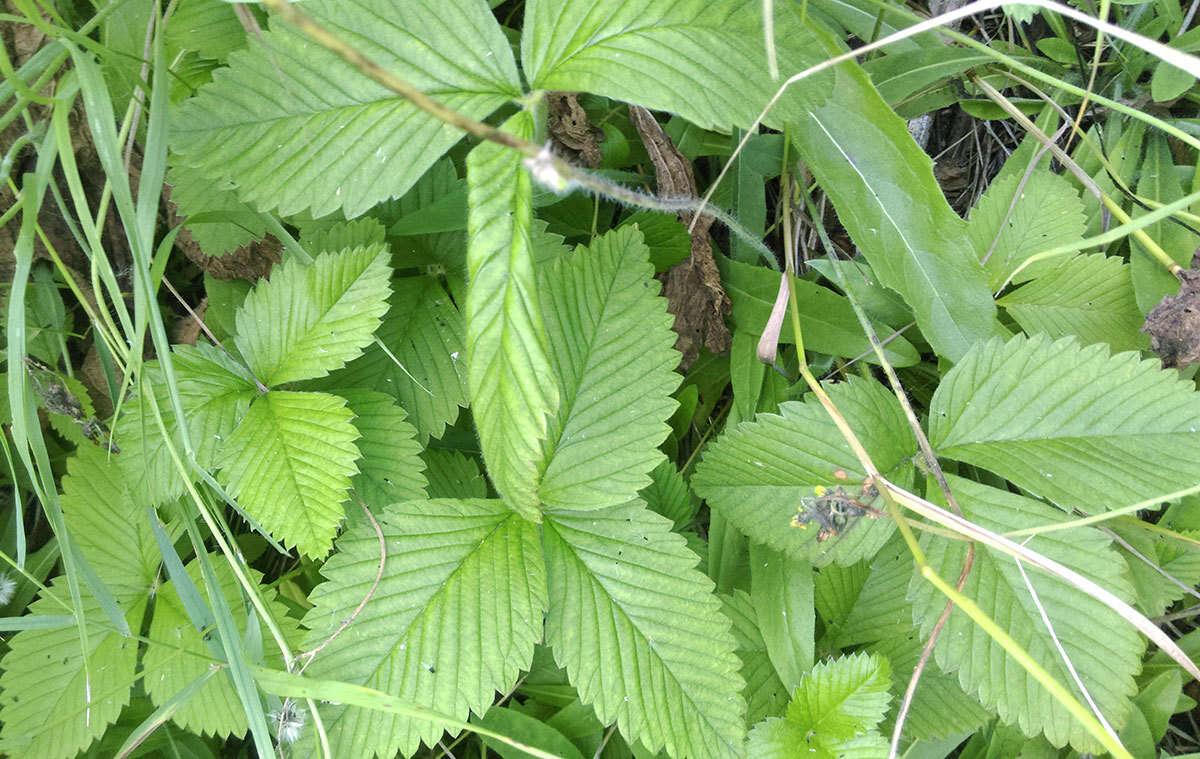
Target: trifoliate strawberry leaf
(639, 632)
(391, 467)
(309, 320)
(1103, 648)
(761, 474)
(289, 463)
(454, 618)
(833, 713)
(426, 370)
(178, 654)
(513, 388)
(611, 348)
(1076, 425)
(1090, 297)
(296, 128)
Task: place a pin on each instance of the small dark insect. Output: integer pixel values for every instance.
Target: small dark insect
(833, 510)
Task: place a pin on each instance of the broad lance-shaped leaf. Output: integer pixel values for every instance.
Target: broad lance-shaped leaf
(289, 464)
(391, 468)
(610, 346)
(882, 185)
(757, 474)
(453, 620)
(1104, 649)
(513, 387)
(1090, 297)
(426, 371)
(215, 709)
(701, 59)
(309, 320)
(1074, 425)
(296, 128)
(765, 693)
(833, 713)
(639, 632)
(44, 707)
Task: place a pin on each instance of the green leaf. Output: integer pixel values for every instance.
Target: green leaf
(109, 527)
(765, 693)
(48, 708)
(322, 237)
(296, 128)
(426, 371)
(827, 319)
(880, 609)
(1159, 182)
(610, 344)
(213, 215)
(700, 59)
(391, 465)
(1103, 649)
(640, 633)
(833, 713)
(210, 27)
(882, 185)
(782, 591)
(215, 392)
(756, 474)
(179, 654)
(668, 495)
(940, 708)
(1174, 566)
(1074, 425)
(454, 618)
(1168, 82)
(665, 235)
(513, 387)
(1090, 297)
(309, 320)
(453, 475)
(1046, 213)
(526, 729)
(289, 463)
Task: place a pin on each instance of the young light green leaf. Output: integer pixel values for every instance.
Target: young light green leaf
(833, 713)
(700, 59)
(391, 468)
(513, 387)
(610, 344)
(1103, 649)
(765, 693)
(1076, 425)
(296, 128)
(883, 188)
(1046, 212)
(640, 633)
(757, 474)
(49, 709)
(426, 371)
(179, 654)
(454, 618)
(289, 463)
(1090, 297)
(309, 320)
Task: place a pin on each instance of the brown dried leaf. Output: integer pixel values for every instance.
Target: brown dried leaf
(568, 126)
(695, 296)
(1174, 324)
